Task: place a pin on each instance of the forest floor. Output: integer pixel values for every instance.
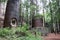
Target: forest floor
(52, 36)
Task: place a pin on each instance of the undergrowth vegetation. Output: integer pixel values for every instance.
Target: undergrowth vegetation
(19, 33)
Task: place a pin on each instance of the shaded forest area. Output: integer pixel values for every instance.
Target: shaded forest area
(29, 19)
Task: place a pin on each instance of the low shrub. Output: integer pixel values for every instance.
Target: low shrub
(19, 33)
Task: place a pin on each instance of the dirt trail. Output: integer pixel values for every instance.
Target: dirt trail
(52, 36)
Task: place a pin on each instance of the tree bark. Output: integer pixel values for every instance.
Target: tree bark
(32, 13)
(12, 13)
(43, 18)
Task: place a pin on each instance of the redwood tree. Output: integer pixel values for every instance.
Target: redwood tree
(12, 13)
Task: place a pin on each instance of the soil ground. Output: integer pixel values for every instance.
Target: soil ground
(52, 36)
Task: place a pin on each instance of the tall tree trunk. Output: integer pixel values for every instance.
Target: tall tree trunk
(54, 23)
(58, 12)
(20, 13)
(51, 18)
(57, 24)
(32, 14)
(36, 7)
(43, 18)
(12, 13)
(27, 12)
